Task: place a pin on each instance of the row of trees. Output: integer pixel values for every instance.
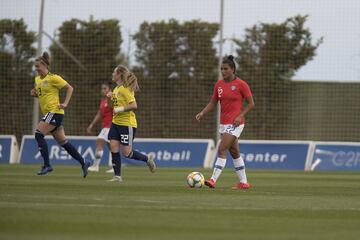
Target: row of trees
(176, 64)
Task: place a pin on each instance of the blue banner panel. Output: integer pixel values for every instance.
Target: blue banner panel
(175, 152)
(86, 146)
(336, 156)
(5, 149)
(285, 155)
(166, 152)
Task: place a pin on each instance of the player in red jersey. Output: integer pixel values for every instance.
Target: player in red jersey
(230, 92)
(104, 115)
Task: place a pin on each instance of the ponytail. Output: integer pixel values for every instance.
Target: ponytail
(128, 78)
(44, 59)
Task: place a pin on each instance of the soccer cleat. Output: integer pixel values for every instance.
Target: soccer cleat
(93, 168)
(116, 179)
(111, 170)
(210, 183)
(241, 186)
(151, 163)
(85, 168)
(44, 170)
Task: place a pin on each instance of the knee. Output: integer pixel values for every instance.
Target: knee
(127, 152)
(99, 153)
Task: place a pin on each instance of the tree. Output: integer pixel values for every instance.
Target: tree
(96, 47)
(268, 58)
(177, 70)
(16, 78)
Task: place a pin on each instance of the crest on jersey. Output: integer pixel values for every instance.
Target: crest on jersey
(45, 83)
(233, 88)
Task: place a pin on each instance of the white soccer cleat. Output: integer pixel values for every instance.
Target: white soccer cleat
(93, 168)
(116, 179)
(111, 170)
(151, 163)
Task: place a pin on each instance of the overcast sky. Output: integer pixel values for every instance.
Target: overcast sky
(338, 21)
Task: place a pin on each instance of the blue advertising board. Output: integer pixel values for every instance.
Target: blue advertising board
(8, 149)
(175, 152)
(86, 146)
(335, 156)
(166, 152)
(287, 155)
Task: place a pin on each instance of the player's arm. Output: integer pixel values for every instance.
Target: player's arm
(250, 105)
(109, 99)
(209, 107)
(69, 91)
(132, 106)
(33, 93)
(96, 119)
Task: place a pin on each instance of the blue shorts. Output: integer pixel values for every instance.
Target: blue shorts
(54, 119)
(124, 134)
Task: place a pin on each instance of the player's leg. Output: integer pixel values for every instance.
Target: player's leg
(225, 144)
(111, 170)
(239, 166)
(59, 135)
(238, 161)
(116, 159)
(100, 142)
(114, 137)
(43, 128)
(127, 139)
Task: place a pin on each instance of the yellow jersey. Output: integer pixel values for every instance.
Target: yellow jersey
(123, 96)
(47, 90)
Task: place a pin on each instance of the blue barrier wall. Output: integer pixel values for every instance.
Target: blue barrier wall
(335, 156)
(290, 155)
(8, 149)
(5, 149)
(167, 152)
(175, 152)
(86, 146)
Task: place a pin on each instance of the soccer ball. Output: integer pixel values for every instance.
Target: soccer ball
(195, 180)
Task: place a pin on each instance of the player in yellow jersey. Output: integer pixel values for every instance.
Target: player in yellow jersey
(47, 88)
(124, 124)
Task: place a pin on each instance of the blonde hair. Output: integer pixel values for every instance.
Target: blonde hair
(44, 59)
(128, 78)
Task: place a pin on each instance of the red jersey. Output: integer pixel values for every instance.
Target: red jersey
(231, 95)
(106, 113)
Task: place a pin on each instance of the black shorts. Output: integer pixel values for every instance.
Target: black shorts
(124, 134)
(54, 119)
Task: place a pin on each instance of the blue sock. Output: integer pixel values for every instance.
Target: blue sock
(73, 152)
(138, 156)
(43, 147)
(116, 160)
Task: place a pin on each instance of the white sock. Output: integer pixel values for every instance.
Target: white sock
(98, 155)
(219, 166)
(240, 169)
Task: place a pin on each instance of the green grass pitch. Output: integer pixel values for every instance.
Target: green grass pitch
(281, 205)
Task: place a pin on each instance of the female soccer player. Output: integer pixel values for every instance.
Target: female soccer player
(104, 115)
(47, 88)
(124, 124)
(230, 91)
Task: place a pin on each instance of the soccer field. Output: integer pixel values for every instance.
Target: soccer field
(281, 205)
